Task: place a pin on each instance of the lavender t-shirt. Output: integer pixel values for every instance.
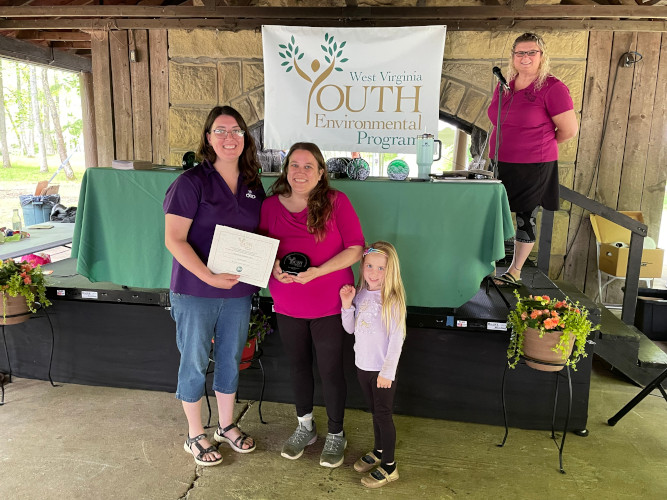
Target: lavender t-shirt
(320, 297)
(376, 348)
(200, 194)
(527, 133)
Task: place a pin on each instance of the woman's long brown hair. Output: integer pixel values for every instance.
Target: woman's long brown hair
(249, 166)
(320, 204)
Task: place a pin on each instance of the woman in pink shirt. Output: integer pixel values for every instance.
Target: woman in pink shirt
(537, 114)
(311, 218)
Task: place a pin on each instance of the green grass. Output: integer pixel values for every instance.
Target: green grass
(27, 170)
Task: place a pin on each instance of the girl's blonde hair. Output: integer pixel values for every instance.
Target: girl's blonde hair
(545, 62)
(393, 291)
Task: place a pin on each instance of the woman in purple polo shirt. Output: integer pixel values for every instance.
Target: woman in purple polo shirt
(309, 217)
(225, 189)
(537, 115)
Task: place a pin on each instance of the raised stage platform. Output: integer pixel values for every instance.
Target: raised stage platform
(451, 367)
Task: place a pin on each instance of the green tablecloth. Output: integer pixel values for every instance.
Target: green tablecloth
(448, 235)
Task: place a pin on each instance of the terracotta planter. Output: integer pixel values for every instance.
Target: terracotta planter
(247, 354)
(540, 349)
(16, 312)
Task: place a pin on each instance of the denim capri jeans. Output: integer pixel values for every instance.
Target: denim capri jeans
(198, 321)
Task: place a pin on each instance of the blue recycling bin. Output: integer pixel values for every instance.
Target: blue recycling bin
(37, 209)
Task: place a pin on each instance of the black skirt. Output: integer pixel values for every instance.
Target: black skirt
(529, 185)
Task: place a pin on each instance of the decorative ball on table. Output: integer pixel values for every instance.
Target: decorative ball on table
(358, 169)
(337, 165)
(398, 170)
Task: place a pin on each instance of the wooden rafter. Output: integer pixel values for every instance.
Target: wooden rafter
(434, 14)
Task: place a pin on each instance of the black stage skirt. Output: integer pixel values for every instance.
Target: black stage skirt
(529, 185)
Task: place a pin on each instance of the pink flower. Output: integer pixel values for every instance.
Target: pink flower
(524, 316)
(27, 280)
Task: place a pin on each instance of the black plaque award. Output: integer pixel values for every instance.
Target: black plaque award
(294, 263)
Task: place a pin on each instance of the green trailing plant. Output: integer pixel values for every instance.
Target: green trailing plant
(546, 315)
(259, 327)
(22, 278)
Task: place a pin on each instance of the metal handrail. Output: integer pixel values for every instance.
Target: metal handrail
(638, 231)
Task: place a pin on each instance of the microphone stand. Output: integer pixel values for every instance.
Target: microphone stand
(500, 107)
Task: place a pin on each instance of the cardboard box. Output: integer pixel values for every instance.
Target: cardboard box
(614, 260)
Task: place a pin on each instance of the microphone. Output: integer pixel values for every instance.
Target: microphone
(500, 77)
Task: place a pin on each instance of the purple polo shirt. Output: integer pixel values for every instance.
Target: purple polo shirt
(200, 194)
(527, 133)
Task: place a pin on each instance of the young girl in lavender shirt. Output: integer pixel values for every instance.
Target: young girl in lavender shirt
(375, 313)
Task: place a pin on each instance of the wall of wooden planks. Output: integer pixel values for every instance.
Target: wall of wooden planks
(131, 81)
(625, 169)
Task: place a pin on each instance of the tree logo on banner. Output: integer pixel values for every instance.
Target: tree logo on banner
(332, 51)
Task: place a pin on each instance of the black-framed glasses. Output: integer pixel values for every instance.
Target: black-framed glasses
(221, 132)
(529, 53)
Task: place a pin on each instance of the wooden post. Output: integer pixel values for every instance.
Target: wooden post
(122, 95)
(157, 41)
(141, 99)
(99, 42)
(88, 115)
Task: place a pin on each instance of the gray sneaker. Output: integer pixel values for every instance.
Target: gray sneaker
(333, 453)
(302, 437)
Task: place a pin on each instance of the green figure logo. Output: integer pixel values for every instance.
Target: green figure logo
(332, 51)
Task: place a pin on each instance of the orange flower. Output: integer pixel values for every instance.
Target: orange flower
(535, 314)
(550, 323)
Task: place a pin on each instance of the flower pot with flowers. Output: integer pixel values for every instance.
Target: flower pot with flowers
(258, 328)
(549, 330)
(21, 286)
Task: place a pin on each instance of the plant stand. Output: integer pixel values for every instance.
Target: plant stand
(8, 378)
(553, 416)
(257, 357)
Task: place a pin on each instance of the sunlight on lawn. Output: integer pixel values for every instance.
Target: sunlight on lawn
(24, 175)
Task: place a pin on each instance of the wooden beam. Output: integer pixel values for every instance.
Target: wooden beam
(88, 116)
(159, 66)
(141, 95)
(122, 95)
(434, 14)
(542, 25)
(64, 36)
(103, 98)
(71, 45)
(28, 52)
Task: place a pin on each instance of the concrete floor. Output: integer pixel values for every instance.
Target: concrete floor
(86, 442)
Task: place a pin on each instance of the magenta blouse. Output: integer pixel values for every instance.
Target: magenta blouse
(319, 297)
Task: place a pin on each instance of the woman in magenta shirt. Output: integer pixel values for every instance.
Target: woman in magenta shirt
(309, 217)
(537, 115)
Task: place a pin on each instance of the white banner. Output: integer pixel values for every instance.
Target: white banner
(354, 89)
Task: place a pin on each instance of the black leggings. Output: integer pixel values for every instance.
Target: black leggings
(381, 403)
(326, 335)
